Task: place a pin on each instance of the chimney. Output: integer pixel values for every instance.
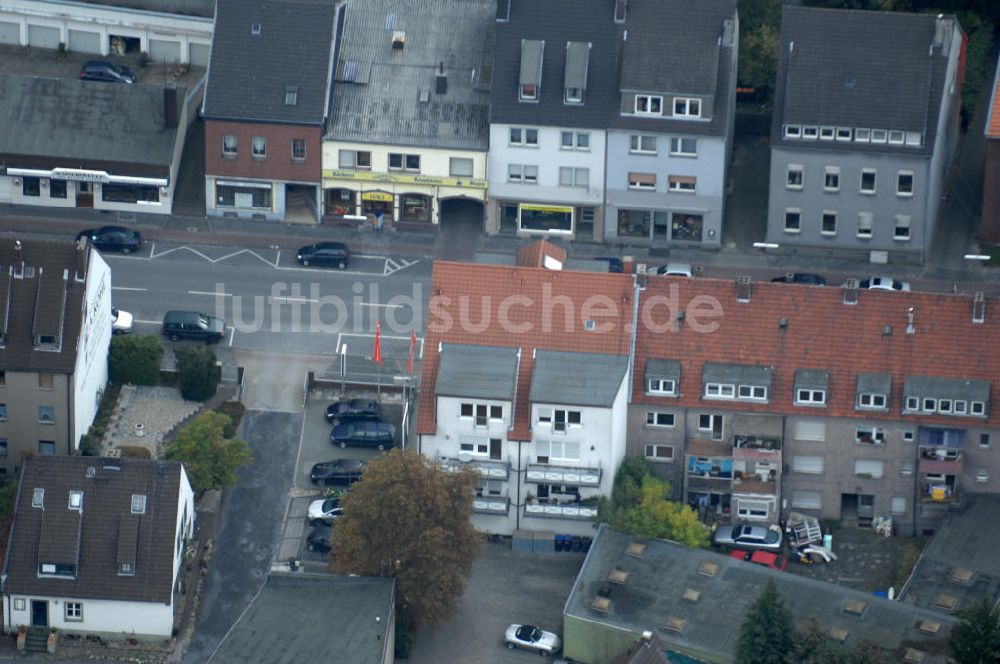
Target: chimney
(398, 39)
(627, 263)
(979, 307)
(170, 107)
(441, 85)
(941, 32)
(910, 329)
(851, 291)
(743, 288)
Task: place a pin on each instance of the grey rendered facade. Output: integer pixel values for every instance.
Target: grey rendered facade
(37, 410)
(862, 138)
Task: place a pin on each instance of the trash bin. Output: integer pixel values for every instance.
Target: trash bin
(562, 542)
(575, 543)
(585, 543)
(828, 542)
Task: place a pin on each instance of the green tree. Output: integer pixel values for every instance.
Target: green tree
(767, 635)
(210, 459)
(976, 639)
(197, 372)
(135, 359)
(760, 24)
(410, 519)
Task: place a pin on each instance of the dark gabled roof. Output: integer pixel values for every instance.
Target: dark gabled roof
(557, 22)
(477, 372)
(378, 89)
(69, 122)
(864, 69)
(40, 294)
(250, 74)
(200, 8)
(103, 534)
(280, 625)
(577, 379)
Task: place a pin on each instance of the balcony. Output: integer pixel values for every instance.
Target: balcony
(749, 447)
(497, 505)
(566, 475)
(491, 470)
(574, 511)
(942, 489)
(755, 485)
(941, 461)
(709, 485)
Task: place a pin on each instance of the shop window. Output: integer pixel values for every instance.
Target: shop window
(57, 188)
(340, 201)
(633, 223)
(414, 207)
(243, 197)
(130, 193)
(686, 227)
(31, 186)
(547, 218)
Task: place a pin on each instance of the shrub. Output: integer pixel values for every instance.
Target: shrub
(197, 372)
(135, 359)
(135, 452)
(907, 561)
(234, 410)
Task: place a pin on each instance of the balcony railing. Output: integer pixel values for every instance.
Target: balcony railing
(765, 443)
(492, 470)
(754, 484)
(710, 485)
(934, 491)
(546, 474)
(572, 511)
(491, 505)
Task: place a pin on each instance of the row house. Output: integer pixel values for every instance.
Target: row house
(838, 402)
(533, 395)
(408, 128)
(264, 109)
(865, 125)
(989, 230)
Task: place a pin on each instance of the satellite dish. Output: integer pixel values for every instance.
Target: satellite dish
(465, 457)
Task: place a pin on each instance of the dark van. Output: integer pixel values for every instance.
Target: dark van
(193, 325)
(364, 433)
(330, 254)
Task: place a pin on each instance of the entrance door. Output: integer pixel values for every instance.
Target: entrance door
(39, 613)
(495, 445)
(84, 195)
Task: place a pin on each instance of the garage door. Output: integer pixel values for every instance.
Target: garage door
(161, 50)
(41, 36)
(199, 55)
(10, 33)
(82, 41)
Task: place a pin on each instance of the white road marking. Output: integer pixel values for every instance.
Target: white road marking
(393, 265)
(212, 293)
(232, 334)
(126, 288)
(379, 304)
(286, 298)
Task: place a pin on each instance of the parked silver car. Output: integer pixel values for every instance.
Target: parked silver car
(745, 536)
(534, 638)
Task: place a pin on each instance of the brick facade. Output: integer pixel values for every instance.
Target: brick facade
(277, 164)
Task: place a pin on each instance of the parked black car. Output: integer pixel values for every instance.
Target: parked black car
(331, 254)
(99, 70)
(364, 433)
(112, 238)
(193, 325)
(800, 278)
(340, 472)
(318, 539)
(353, 410)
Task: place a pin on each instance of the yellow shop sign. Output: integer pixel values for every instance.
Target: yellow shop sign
(402, 178)
(376, 196)
(548, 208)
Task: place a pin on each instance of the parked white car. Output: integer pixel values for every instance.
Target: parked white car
(324, 510)
(884, 283)
(673, 270)
(121, 322)
(534, 638)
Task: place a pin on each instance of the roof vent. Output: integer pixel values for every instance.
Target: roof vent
(424, 96)
(961, 575)
(647, 636)
(851, 291)
(398, 39)
(855, 607)
(441, 80)
(618, 576)
(743, 288)
(91, 472)
(708, 569)
(931, 627)
(946, 602)
(600, 605)
(255, 29)
(691, 596)
(675, 624)
(913, 656)
(910, 329)
(783, 323)
(887, 330)
(635, 549)
(979, 307)
(590, 325)
(839, 634)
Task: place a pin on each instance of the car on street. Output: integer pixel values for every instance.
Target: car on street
(531, 637)
(353, 410)
(193, 325)
(765, 558)
(339, 472)
(101, 70)
(800, 278)
(364, 433)
(673, 270)
(121, 322)
(324, 510)
(112, 238)
(318, 539)
(745, 536)
(324, 254)
(884, 283)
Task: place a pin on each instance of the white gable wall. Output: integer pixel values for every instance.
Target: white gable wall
(110, 618)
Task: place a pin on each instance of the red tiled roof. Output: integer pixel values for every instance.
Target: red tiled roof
(822, 333)
(468, 301)
(533, 255)
(993, 119)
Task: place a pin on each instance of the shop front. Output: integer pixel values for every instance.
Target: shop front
(69, 187)
(245, 198)
(374, 203)
(659, 226)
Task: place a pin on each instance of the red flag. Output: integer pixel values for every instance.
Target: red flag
(377, 355)
(413, 349)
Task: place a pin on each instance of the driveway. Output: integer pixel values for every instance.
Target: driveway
(251, 518)
(504, 587)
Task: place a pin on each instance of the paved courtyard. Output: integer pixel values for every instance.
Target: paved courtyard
(144, 415)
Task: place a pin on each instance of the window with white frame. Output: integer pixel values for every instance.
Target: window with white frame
(810, 397)
(793, 131)
(524, 136)
(904, 183)
(984, 441)
(496, 413)
(879, 135)
(793, 176)
(570, 176)
(682, 183)
(869, 435)
(897, 505)
(553, 450)
(908, 436)
(810, 430)
(645, 181)
(866, 224)
(828, 222)
(474, 445)
(258, 147)
(896, 137)
(807, 500)
(977, 408)
(649, 104)
(559, 418)
(298, 149)
(710, 423)
(753, 392)
(868, 177)
(355, 159)
(862, 135)
(844, 134)
(526, 173)
(810, 133)
(872, 400)
(661, 386)
(982, 476)
(905, 468)
(793, 220)
(687, 107)
(873, 468)
(683, 147)
(460, 167)
(901, 229)
(812, 465)
(74, 611)
(229, 145)
(642, 144)
(831, 179)
(574, 140)
(752, 509)
(659, 419)
(719, 391)
(659, 452)
(404, 162)
(826, 133)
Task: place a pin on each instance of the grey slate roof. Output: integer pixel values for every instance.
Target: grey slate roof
(947, 388)
(55, 530)
(382, 104)
(967, 539)
(476, 372)
(660, 368)
(853, 68)
(201, 8)
(737, 374)
(875, 383)
(83, 124)
(657, 582)
(58, 311)
(576, 379)
(813, 379)
(248, 74)
(281, 623)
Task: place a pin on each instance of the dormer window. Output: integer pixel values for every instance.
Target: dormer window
(872, 401)
(38, 499)
(946, 396)
(687, 107)
(126, 569)
(577, 63)
(291, 96)
(530, 79)
(736, 381)
(138, 503)
(76, 500)
(648, 105)
(255, 28)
